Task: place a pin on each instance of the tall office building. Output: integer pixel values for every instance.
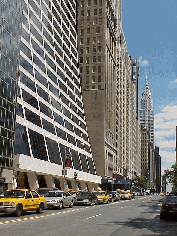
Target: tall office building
(97, 36)
(10, 30)
(107, 87)
(50, 120)
(146, 112)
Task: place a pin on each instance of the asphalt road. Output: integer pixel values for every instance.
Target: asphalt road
(139, 216)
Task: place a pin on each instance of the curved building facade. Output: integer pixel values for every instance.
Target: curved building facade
(50, 120)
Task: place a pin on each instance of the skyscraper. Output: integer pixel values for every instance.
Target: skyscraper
(50, 120)
(146, 113)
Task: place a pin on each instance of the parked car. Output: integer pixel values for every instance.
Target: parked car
(169, 206)
(58, 199)
(113, 196)
(102, 197)
(44, 191)
(20, 200)
(125, 195)
(133, 195)
(85, 198)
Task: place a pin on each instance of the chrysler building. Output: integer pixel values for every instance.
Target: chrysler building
(147, 112)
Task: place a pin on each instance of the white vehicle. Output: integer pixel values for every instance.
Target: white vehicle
(58, 199)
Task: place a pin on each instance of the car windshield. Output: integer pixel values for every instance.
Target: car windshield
(83, 194)
(54, 194)
(170, 199)
(13, 194)
(100, 193)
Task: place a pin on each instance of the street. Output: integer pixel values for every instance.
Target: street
(139, 216)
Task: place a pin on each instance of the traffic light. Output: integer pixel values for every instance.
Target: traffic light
(68, 161)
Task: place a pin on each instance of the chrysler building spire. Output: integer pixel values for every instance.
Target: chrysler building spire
(147, 110)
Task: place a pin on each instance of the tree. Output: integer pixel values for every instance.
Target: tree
(140, 182)
(170, 176)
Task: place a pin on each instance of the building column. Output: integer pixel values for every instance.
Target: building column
(32, 180)
(49, 181)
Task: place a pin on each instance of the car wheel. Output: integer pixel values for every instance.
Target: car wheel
(60, 205)
(71, 205)
(18, 211)
(40, 209)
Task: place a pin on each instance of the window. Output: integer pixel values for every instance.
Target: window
(99, 58)
(100, 2)
(99, 69)
(82, 22)
(82, 4)
(81, 50)
(94, 69)
(88, 12)
(99, 87)
(95, 2)
(87, 69)
(35, 195)
(99, 39)
(88, 30)
(81, 69)
(94, 49)
(100, 11)
(82, 31)
(94, 59)
(81, 59)
(99, 78)
(82, 13)
(28, 194)
(89, 3)
(93, 86)
(87, 80)
(87, 50)
(88, 40)
(94, 39)
(100, 21)
(97, 30)
(93, 78)
(87, 60)
(95, 12)
(99, 48)
(95, 21)
(82, 41)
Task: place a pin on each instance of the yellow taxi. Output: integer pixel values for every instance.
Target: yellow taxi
(125, 195)
(19, 200)
(102, 197)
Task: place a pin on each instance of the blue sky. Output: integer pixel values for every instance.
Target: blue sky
(150, 29)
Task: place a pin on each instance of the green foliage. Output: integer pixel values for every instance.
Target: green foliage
(140, 182)
(170, 176)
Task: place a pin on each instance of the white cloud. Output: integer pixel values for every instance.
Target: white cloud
(165, 124)
(168, 157)
(143, 62)
(167, 144)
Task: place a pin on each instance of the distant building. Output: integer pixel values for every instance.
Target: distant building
(146, 112)
(158, 169)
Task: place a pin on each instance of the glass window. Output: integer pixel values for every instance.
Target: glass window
(46, 110)
(97, 30)
(38, 145)
(28, 194)
(87, 69)
(48, 126)
(75, 160)
(88, 30)
(94, 69)
(93, 78)
(53, 151)
(87, 50)
(88, 40)
(32, 117)
(81, 41)
(95, 21)
(21, 145)
(100, 11)
(94, 59)
(88, 12)
(95, 12)
(99, 58)
(58, 118)
(61, 133)
(87, 80)
(82, 13)
(99, 69)
(94, 48)
(30, 99)
(99, 78)
(81, 59)
(88, 3)
(87, 60)
(35, 195)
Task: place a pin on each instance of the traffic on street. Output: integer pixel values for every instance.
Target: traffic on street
(138, 216)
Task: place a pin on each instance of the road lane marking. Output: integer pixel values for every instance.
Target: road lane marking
(91, 217)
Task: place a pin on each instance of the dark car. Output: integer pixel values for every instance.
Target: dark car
(169, 206)
(85, 198)
(113, 196)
